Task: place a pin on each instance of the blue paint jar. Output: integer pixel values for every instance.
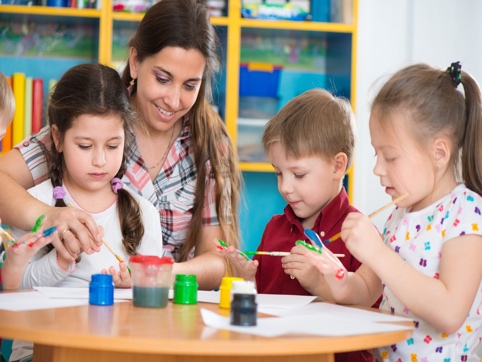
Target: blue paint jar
(101, 290)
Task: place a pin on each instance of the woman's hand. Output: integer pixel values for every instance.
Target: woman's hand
(238, 265)
(121, 278)
(77, 232)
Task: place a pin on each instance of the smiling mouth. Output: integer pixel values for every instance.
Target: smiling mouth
(164, 112)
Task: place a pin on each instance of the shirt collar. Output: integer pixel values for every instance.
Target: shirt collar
(328, 216)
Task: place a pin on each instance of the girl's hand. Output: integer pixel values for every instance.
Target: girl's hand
(326, 263)
(19, 254)
(361, 237)
(77, 232)
(238, 265)
(121, 278)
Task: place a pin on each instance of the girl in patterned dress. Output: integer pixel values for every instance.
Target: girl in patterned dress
(427, 262)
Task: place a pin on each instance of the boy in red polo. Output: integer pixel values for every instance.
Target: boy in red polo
(310, 144)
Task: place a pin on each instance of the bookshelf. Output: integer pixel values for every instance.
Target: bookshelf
(338, 73)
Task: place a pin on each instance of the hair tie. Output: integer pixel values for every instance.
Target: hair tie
(59, 193)
(454, 72)
(116, 184)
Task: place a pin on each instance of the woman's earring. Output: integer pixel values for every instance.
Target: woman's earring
(131, 85)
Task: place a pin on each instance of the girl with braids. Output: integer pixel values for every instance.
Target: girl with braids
(427, 262)
(89, 117)
(181, 158)
(90, 120)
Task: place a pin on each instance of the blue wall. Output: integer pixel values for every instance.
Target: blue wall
(260, 201)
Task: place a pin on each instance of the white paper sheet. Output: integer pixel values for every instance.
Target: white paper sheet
(81, 293)
(35, 300)
(331, 326)
(276, 301)
(327, 309)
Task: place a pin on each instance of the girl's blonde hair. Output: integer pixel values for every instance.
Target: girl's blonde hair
(315, 123)
(7, 99)
(433, 106)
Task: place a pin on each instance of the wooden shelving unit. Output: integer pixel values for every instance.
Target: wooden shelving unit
(234, 24)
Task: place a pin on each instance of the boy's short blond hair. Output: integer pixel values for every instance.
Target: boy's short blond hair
(315, 123)
(7, 100)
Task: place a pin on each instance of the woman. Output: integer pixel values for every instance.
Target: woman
(182, 160)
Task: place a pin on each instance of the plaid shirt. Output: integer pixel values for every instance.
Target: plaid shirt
(172, 192)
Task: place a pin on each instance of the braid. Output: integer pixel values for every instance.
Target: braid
(56, 172)
(130, 218)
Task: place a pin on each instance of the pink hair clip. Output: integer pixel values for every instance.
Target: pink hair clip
(116, 184)
(59, 193)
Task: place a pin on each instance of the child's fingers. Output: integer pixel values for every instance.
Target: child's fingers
(40, 242)
(124, 272)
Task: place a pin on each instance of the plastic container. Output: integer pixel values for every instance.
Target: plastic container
(101, 290)
(225, 291)
(57, 3)
(243, 287)
(244, 310)
(321, 10)
(151, 279)
(185, 289)
(257, 82)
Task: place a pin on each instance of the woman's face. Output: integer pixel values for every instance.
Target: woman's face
(168, 85)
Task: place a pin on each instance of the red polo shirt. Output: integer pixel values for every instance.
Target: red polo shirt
(281, 234)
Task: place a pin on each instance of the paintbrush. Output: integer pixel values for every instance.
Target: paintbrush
(9, 237)
(117, 256)
(224, 245)
(373, 214)
(279, 253)
(114, 253)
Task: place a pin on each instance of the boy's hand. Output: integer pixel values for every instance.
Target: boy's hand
(121, 278)
(238, 265)
(298, 266)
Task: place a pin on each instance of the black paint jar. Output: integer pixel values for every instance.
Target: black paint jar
(244, 311)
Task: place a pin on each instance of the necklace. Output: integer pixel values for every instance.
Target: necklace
(163, 159)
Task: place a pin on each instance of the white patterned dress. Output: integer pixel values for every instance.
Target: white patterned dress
(418, 238)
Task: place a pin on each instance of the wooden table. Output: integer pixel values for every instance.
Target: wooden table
(174, 334)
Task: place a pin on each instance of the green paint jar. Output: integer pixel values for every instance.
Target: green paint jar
(185, 289)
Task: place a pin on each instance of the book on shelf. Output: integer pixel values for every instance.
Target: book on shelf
(37, 104)
(27, 117)
(29, 109)
(6, 143)
(18, 118)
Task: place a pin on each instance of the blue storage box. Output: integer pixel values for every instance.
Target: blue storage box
(258, 83)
